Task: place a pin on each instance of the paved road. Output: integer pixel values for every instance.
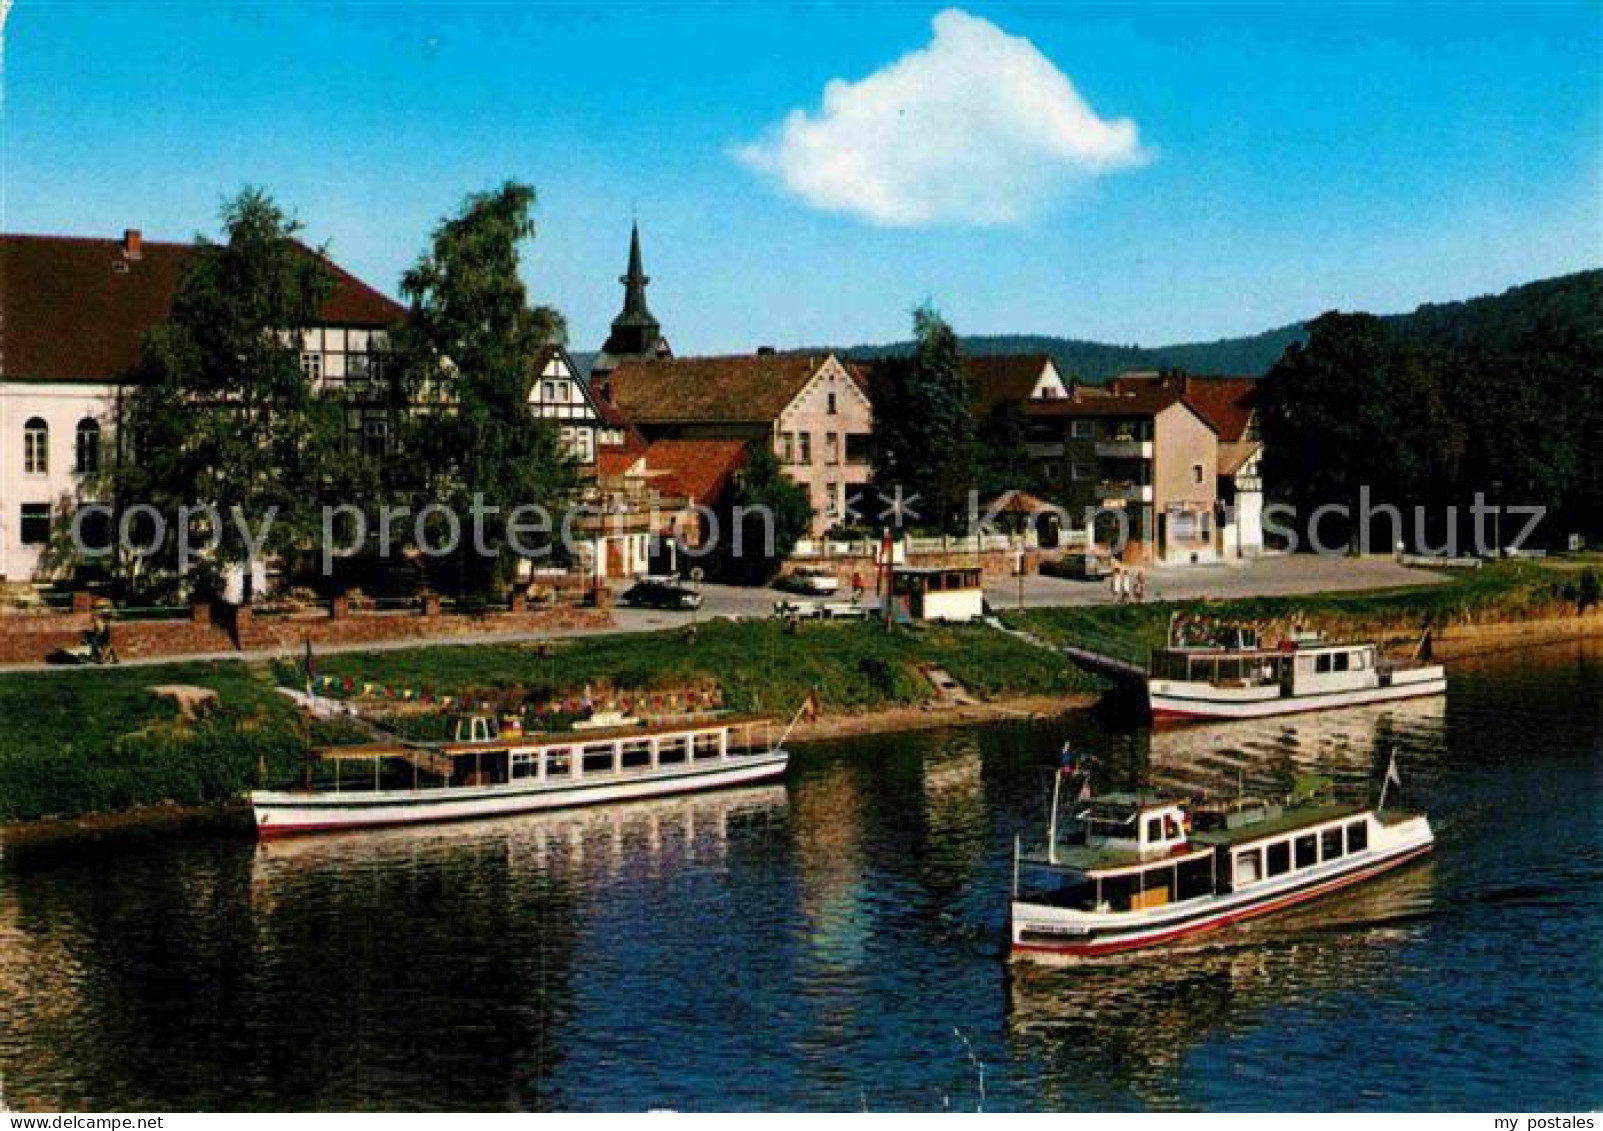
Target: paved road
(1264, 577)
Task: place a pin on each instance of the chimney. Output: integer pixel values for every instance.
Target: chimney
(133, 242)
(603, 388)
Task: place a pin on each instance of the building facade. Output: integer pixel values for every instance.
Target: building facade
(73, 314)
(1176, 456)
(1228, 404)
(1142, 466)
(559, 394)
(809, 408)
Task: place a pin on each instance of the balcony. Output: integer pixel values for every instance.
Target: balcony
(1125, 492)
(1124, 449)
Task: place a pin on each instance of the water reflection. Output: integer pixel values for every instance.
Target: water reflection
(822, 944)
(1262, 755)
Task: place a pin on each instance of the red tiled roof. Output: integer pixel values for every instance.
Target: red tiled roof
(699, 470)
(75, 309)
(742, 388)
(1224, 402)
(613, 461)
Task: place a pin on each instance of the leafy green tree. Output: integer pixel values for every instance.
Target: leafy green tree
(470, 345)
(1356, 408)
(923, 428)
(1002, 460)
(764, 494)
(223, 414)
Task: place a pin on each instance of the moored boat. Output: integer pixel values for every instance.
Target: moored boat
(1240, 679)
(1139, 870)
(487, 772)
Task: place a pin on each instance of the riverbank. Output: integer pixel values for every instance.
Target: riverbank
(1487, 607)
(99, 741)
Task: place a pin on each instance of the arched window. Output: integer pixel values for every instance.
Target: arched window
(88, 446)
(35, 447)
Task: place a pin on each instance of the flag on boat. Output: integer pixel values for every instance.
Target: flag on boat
(1392, 776)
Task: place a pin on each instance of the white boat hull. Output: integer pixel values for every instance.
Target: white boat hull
(287, 812)
(1171, 701)
(1047, 931)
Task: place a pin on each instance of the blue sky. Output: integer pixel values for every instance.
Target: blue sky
(1144, 174)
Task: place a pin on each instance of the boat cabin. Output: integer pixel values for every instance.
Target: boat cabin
(948, 593)
(1123, 852)
(1297, 669)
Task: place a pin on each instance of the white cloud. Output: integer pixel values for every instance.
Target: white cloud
(976, 128)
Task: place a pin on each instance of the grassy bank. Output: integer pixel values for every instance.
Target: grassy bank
(1498, 592)
(759, 666)
(98, 741)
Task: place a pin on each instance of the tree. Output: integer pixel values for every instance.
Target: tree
(223, 414)
(470, 345)
(923, 427)
(1002, 459)
(764, 494)
(1357, 408)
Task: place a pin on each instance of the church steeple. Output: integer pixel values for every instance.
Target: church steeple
(635, 333)
(634, 280)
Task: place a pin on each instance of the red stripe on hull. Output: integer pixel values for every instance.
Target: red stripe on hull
(1093, 950)
(1173, 715)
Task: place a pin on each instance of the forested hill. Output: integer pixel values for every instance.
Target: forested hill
(1491, 322)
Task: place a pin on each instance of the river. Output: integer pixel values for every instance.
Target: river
(837, 941)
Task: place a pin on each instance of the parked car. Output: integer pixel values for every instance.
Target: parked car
(811, 581)
(1079, 567)
(657, 594)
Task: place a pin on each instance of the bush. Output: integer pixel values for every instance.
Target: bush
(1588, 593)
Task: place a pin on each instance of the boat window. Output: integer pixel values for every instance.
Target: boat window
(558, 763)
(1307, 851)
(1171, 827)
(706, 746)
(1156, 883)
(1117, 891)
(671, 752)
(1057, 888)
(1357, 836)
(637, 755)
(1340, 661)
(598, 759)
(1322, 663)
(1154, 829)
(1195, 878)
(1249, 866)
(1330, 844)
(1278, 858)
(525, 763)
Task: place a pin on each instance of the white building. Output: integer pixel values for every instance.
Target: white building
(587, 424)
(73, 313)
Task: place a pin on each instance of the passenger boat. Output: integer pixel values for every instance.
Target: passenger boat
(1140, 870)
(1240, 679)
(491, 771)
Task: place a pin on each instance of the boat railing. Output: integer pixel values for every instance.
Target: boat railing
(568, 756)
